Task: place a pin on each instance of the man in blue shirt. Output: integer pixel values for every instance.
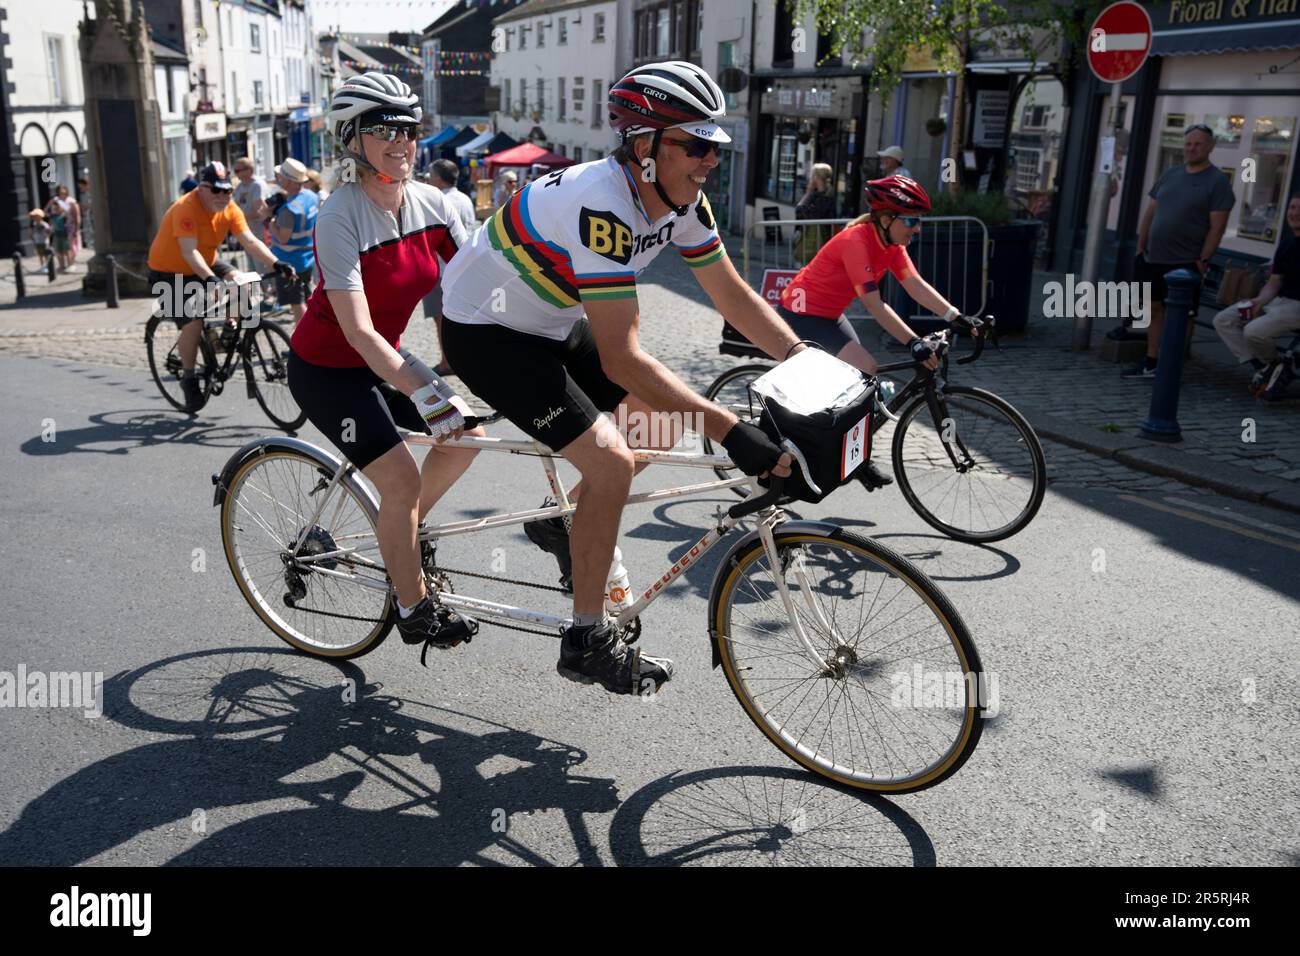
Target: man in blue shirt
(291, 232)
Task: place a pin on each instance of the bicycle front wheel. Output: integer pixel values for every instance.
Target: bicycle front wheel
(336, 606)
(732, 391)
(975, 471)
(162, 339)
(266, 366)
(880, 692)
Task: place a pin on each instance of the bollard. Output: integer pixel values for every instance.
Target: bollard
(49, 265)
(110, 279)
(19, 282)
(1180, 306)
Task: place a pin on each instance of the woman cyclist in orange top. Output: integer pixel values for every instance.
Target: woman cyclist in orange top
(853, 264)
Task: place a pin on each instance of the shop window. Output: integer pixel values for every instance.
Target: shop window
(1171, 141)
(1227, 129)
(1034, 146)
(1263, 202)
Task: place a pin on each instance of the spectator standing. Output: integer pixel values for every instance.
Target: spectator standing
(1180, 229)
(1275, 311)
(189, 183)
(291, 235)
(316, 185)
(41, 232)
(506, 187)
(87, 213)
(65, 221)
(818, 202)
(891, 162)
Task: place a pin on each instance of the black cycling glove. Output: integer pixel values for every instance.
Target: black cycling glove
(284, 269)
(750, 448)
(971, 323)
(922, 348)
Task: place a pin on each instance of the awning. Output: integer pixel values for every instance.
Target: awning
(1227, 38)
(476, 144)
(440, 137)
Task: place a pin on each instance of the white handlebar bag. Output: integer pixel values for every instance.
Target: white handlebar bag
(824, 406)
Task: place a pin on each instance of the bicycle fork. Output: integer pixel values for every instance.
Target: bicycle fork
(766, 535)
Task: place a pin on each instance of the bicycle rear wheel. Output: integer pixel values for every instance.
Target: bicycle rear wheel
(335, 607)
(732, 391)
(884, 696)
(996, 485)
(266, 366)
(162, 339)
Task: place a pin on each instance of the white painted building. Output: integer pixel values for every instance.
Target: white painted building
(554, 63)
(47, 99)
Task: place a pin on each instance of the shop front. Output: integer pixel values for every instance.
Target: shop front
(725, 187)
(1233, 65)
(803, 121)
(1236, 68)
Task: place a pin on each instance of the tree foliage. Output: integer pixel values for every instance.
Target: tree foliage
(886, 33)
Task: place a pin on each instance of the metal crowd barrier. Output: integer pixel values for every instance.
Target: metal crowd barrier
(951, 253)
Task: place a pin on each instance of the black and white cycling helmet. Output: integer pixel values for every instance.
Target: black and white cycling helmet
(673, 94)
(381, 94)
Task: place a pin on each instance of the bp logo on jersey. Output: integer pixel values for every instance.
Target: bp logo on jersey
(605, 235)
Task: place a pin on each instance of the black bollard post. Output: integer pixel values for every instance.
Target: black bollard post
(49, 265)
(110, 279)
(19, 282)
(1180, 306)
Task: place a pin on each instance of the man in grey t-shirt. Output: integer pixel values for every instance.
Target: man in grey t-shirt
(1180, 229)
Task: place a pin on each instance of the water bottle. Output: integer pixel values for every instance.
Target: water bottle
(618, 590)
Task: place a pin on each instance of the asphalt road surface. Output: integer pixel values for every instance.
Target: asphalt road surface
(1142, 634)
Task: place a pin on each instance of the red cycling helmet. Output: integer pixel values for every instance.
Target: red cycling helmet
(897, 194)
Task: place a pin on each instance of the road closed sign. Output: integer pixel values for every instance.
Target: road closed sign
(1119, 42)
(774, 283)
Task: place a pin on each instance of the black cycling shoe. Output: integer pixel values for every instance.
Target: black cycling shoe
(437, 626)
(193, 394)
(872, 477)
(607, 661)
(552, 536)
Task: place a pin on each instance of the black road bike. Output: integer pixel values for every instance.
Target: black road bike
(967, 462)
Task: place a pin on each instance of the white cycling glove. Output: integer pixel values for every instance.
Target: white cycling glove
(437, 402)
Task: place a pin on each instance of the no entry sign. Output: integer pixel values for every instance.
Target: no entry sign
(1119, 41)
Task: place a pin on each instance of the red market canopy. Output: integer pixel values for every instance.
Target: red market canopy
(525, 155)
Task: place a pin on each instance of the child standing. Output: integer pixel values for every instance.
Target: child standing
(40, 234)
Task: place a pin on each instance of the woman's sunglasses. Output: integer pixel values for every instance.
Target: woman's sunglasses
(389, 133)
(911, 222)
(694, 147)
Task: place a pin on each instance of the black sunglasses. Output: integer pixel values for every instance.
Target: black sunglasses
(389, 132)
(695, 147)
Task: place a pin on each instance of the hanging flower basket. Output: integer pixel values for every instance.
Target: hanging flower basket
(936, 126)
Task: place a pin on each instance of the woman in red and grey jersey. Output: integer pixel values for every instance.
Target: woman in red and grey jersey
(378, 243)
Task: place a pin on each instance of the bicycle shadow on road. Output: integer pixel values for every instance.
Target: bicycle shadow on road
(250, 725)
(141, 428)
(763, 816)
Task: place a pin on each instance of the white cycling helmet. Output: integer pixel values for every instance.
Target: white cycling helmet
(668, 95)
(381, 93)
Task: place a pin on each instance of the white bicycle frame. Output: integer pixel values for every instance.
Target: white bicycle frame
(491, 610)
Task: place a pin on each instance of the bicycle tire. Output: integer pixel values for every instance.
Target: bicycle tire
(270, 343)
(740, 375)
(988, 408)
(261, 594)
(744, 671)
(165, 367)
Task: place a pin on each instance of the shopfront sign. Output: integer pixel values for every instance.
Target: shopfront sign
(832, 98)
(209, 126)
(774, 282)
(991, 118)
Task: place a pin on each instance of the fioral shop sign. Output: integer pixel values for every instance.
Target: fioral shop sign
(1179, 13)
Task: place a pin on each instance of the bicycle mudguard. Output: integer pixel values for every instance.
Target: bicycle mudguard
(817, 527)
(328, 463)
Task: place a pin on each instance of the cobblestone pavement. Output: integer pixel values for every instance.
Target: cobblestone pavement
(680, 327)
